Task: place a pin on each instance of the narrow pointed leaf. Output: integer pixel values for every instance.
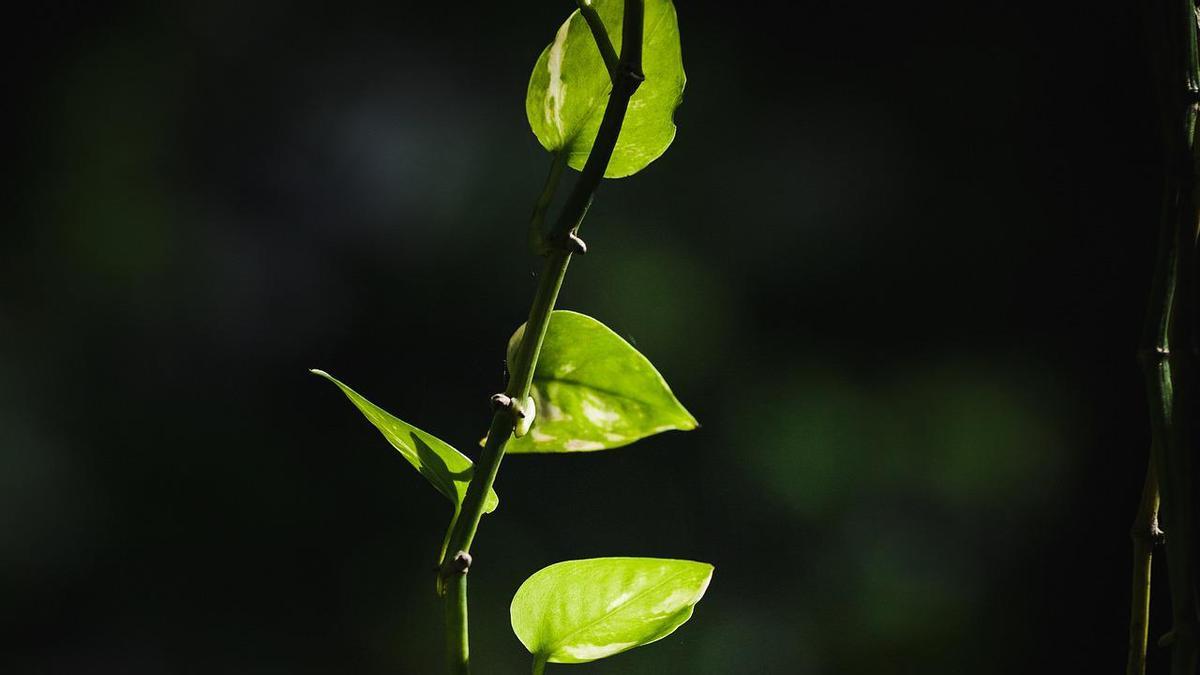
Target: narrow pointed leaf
(446, 468)
(570, 85)
(582, 610)
(593, 391)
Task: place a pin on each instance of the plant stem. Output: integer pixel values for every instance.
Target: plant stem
(1145, 535)
(600, 35)
(457, 645)
(629, 76)
(537, 238)
(539, 665)
(1168, 352)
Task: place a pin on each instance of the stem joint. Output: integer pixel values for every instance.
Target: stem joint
(570, 243)
(459, 565)
(505, 402)
(1150, 535)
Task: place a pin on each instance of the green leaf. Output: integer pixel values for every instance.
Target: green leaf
(570, 84)
(446, 468)
(582, 610)
(593, 391)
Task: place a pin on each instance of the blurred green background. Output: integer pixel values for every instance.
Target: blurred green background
(895, 263)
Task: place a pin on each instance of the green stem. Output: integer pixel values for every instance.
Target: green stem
(458, 652)
(1183, 563)
(462, 534)
(1145, 535)
(1168, 354)
(600, 36)
(539, 664)
(629, 77)
(537, 237)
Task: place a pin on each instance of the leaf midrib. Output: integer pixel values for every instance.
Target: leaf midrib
(563, 639)
(603, 390)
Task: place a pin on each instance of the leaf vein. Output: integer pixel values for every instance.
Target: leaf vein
(561, 641)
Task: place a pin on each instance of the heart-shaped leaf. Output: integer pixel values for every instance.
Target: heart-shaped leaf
(593, 391)
(570, 85)
(583, 610)
(446, 468)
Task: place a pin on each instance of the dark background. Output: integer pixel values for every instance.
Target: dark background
(895, 262)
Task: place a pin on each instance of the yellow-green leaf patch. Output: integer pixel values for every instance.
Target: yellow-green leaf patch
(594, 391)
(447, 469)
(570, 86)
(582, 610)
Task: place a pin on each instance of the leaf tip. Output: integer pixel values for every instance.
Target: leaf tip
(318, 371)
(707, 580)
(684, 419)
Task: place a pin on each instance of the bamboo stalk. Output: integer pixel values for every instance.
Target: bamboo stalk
(1168, 351)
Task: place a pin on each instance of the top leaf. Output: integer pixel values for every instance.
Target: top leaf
(570, 85)
(446, 468)
(593, 391)
(582, 610)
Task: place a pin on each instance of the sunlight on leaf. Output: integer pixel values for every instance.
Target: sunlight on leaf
(446, 468)
(570, 85)
(594, 391)
(582, 610)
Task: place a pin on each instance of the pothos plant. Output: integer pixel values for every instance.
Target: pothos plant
(601, 100)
